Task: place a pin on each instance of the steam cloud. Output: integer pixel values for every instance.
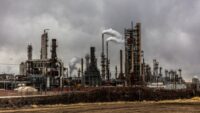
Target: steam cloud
(115, 40)
(72, 64)
(112, 33)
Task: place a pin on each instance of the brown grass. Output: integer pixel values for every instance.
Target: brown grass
(168, 106)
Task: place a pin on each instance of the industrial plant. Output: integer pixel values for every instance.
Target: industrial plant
(99, 56)
(48, 74)
(44, 72)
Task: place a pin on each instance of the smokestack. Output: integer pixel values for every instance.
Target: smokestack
(44, 45)
(121, 61)
(103, 59)
(53, 51)
(87, 58)
(81, 66)
(30, 50)
(116, 72)
(107, 63)
(121, 75)
(92, 55)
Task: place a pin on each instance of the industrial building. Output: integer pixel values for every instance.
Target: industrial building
(133, 55)
(44, 72)
(49, 72)
(91, 76)
(169, 80)
(137, 72)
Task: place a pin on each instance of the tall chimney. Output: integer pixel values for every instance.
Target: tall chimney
(103, 59)
(30, 49)
(121, 75)
(116, 72)
(87, 58)
(107, 63)
(92, 55)
(121, 61)
(44, 45)
(81, 66)
(53, 51)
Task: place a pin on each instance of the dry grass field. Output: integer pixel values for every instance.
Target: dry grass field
(168, 106)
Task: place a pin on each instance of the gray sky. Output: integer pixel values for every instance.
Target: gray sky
(170, 29)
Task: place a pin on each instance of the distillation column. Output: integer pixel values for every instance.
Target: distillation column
(44, 45)
(30, 50)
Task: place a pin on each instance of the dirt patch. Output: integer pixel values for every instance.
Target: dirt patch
(116, 107)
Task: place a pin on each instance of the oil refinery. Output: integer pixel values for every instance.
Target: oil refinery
(51, 73)
(48, 80)
(111, 56)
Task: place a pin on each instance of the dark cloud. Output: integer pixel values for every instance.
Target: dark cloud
(170, 29)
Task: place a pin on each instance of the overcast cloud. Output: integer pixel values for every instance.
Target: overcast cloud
(170, 29)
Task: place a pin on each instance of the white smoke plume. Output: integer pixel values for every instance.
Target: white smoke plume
(112, 32)
(72, 64)
(115, 40)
